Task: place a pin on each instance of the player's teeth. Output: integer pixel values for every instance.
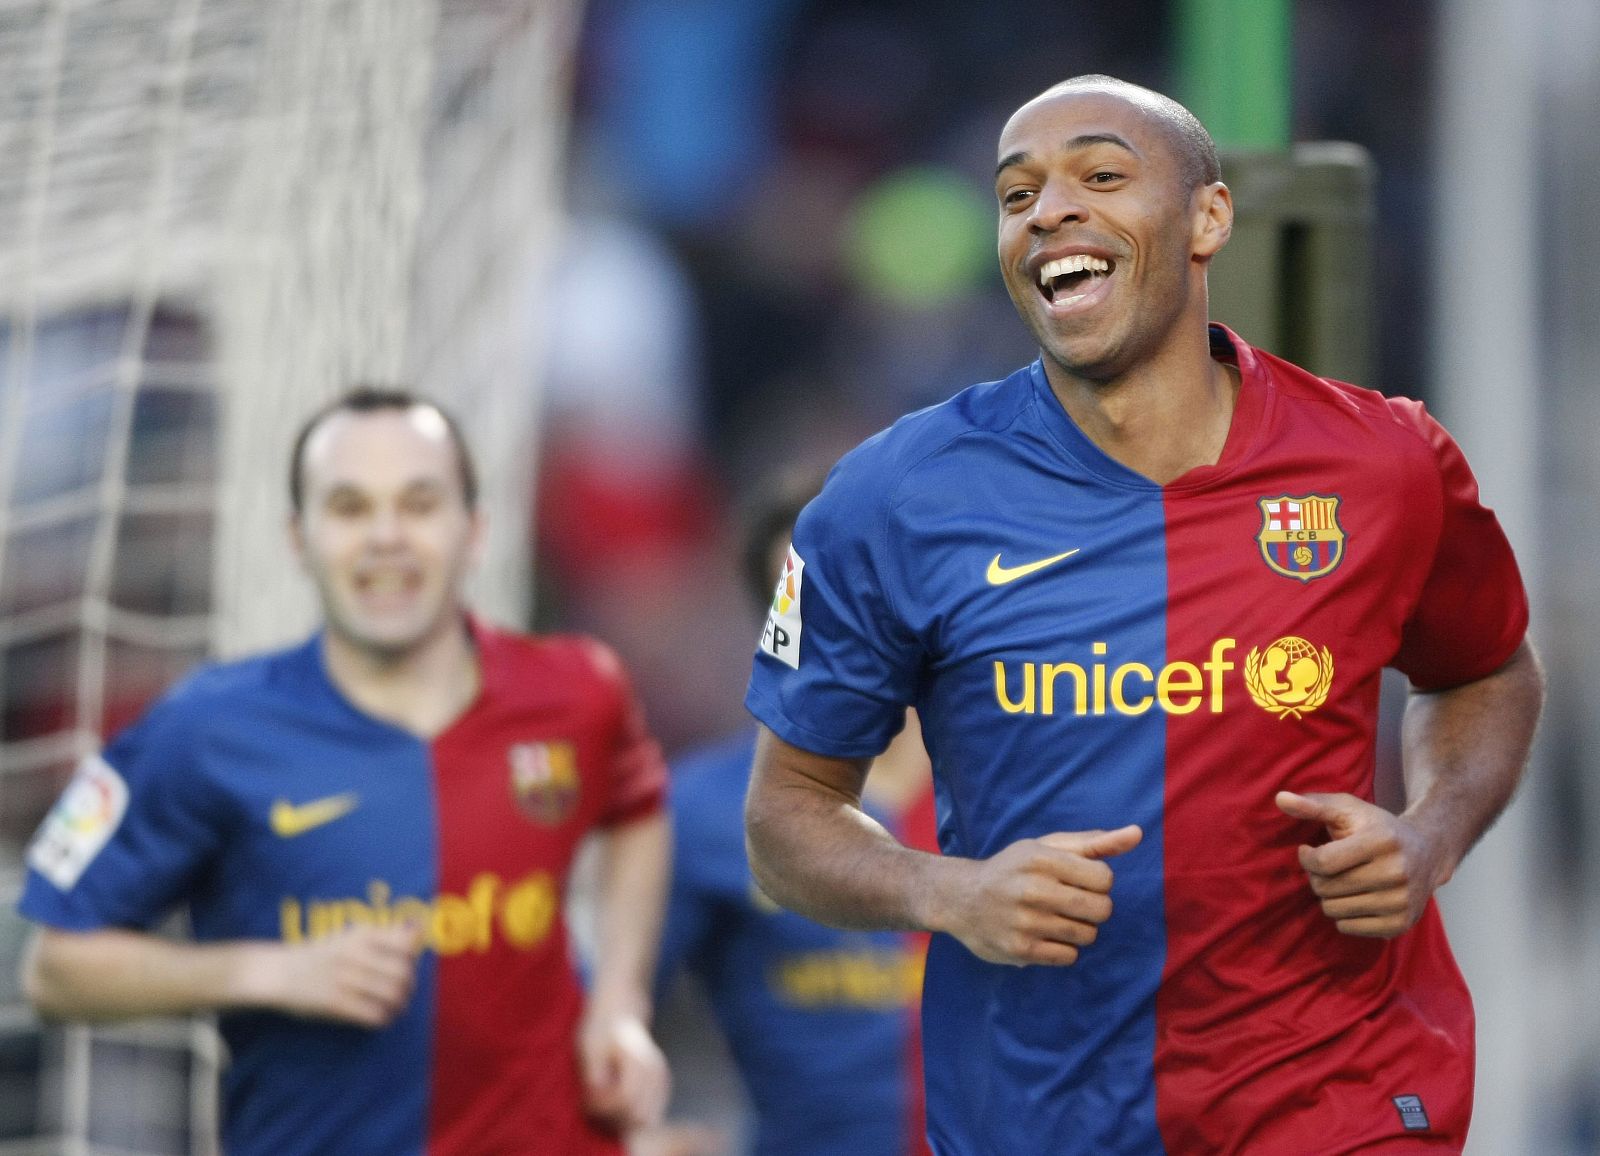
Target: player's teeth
(1076, 263)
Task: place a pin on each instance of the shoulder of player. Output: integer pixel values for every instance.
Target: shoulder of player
(575, 661)
(1400, 421)
(885, 460)
(204, 703)
(213, 690)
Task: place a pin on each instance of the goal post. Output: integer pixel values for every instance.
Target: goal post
(215, 215)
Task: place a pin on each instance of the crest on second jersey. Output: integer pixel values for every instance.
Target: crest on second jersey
(544, 780)
(1300, 537)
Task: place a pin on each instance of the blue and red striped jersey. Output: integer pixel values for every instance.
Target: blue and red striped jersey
(1088, 649)
(255, 792)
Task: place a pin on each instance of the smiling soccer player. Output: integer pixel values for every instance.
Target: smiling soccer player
(1141, 593)
(372, 831)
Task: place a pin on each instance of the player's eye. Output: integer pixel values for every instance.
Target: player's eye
(1013, 197)
(344, 505)
(1105, 177)
(420, 501)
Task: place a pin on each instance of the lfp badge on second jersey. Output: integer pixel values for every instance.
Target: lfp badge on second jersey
(1301, 537)
(544, 780)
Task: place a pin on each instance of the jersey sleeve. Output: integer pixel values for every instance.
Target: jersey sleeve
(123, 844)
(1472, 612)
(837, 663)
(636, 768)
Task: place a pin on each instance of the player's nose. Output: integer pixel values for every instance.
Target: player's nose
(1058, 203)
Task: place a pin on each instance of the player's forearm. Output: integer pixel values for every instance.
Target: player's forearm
(813, 850)
(634, 872)
(1465, 750)
(117, 974)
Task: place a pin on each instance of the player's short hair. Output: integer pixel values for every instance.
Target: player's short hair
(766, 521)
(376, 399)
(1197, 152)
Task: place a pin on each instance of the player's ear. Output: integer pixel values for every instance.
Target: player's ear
(477, 537)
(1213, 220)
(297, 538)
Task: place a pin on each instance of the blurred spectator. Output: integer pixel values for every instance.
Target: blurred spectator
(682, 100)
(623, 483)
(627, 508)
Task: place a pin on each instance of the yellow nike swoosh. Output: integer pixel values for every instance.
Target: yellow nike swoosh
(288, 820)
(999, 575)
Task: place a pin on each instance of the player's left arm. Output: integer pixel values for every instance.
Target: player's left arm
(625, 1075)
(1464, 751)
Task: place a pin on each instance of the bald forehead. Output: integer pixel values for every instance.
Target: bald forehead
(1082, 104)
(391, 445)
(1151, 104)
(1145, 121)
(421, 422)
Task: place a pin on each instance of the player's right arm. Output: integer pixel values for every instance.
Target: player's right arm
(363, 975)
(122, 847)
(814, 850)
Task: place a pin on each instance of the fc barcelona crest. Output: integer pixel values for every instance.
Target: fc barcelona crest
(544, 780)
(1301, 537)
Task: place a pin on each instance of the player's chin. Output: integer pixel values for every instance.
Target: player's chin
(1088, 350)
(393, 627)
(386, 638)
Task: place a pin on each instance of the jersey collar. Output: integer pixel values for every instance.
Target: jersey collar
(1255, 390)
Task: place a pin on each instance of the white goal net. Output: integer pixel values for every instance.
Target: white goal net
(215, 214)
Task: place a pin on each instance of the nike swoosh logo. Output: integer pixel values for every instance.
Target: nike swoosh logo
(288, 820)
(999, 575)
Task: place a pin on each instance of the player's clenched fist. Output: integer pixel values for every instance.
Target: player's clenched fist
(1039, 900)
(625, 1078)
(362, 975)
(1375, 874)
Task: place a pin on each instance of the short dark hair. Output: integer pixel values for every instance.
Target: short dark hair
(766, 521)
(1197, 152)
(376, 399)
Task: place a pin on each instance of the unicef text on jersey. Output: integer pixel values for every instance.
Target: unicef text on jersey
(1289, 678)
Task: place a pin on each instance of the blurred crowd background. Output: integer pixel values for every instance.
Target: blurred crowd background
(776, 237)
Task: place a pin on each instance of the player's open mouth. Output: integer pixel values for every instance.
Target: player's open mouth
(1075, 280)
(386, 585)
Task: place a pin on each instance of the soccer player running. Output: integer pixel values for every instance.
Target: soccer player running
(820, 1021)
(372, 831)
(1141, 593)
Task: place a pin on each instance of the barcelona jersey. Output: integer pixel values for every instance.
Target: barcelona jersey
(279, 811)
(819, 1020)
(1088, 649)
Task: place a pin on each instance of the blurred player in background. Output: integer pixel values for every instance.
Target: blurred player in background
(821, 1022)
(1141, 593)
(372, 832)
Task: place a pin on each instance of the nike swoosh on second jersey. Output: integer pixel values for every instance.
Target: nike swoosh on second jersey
(289, 820)
(999, 575)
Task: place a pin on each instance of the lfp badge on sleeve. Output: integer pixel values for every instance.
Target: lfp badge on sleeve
(1300, 536)
(781, 635)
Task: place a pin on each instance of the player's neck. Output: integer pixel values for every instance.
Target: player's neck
(422, 690)
(1165, 417)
